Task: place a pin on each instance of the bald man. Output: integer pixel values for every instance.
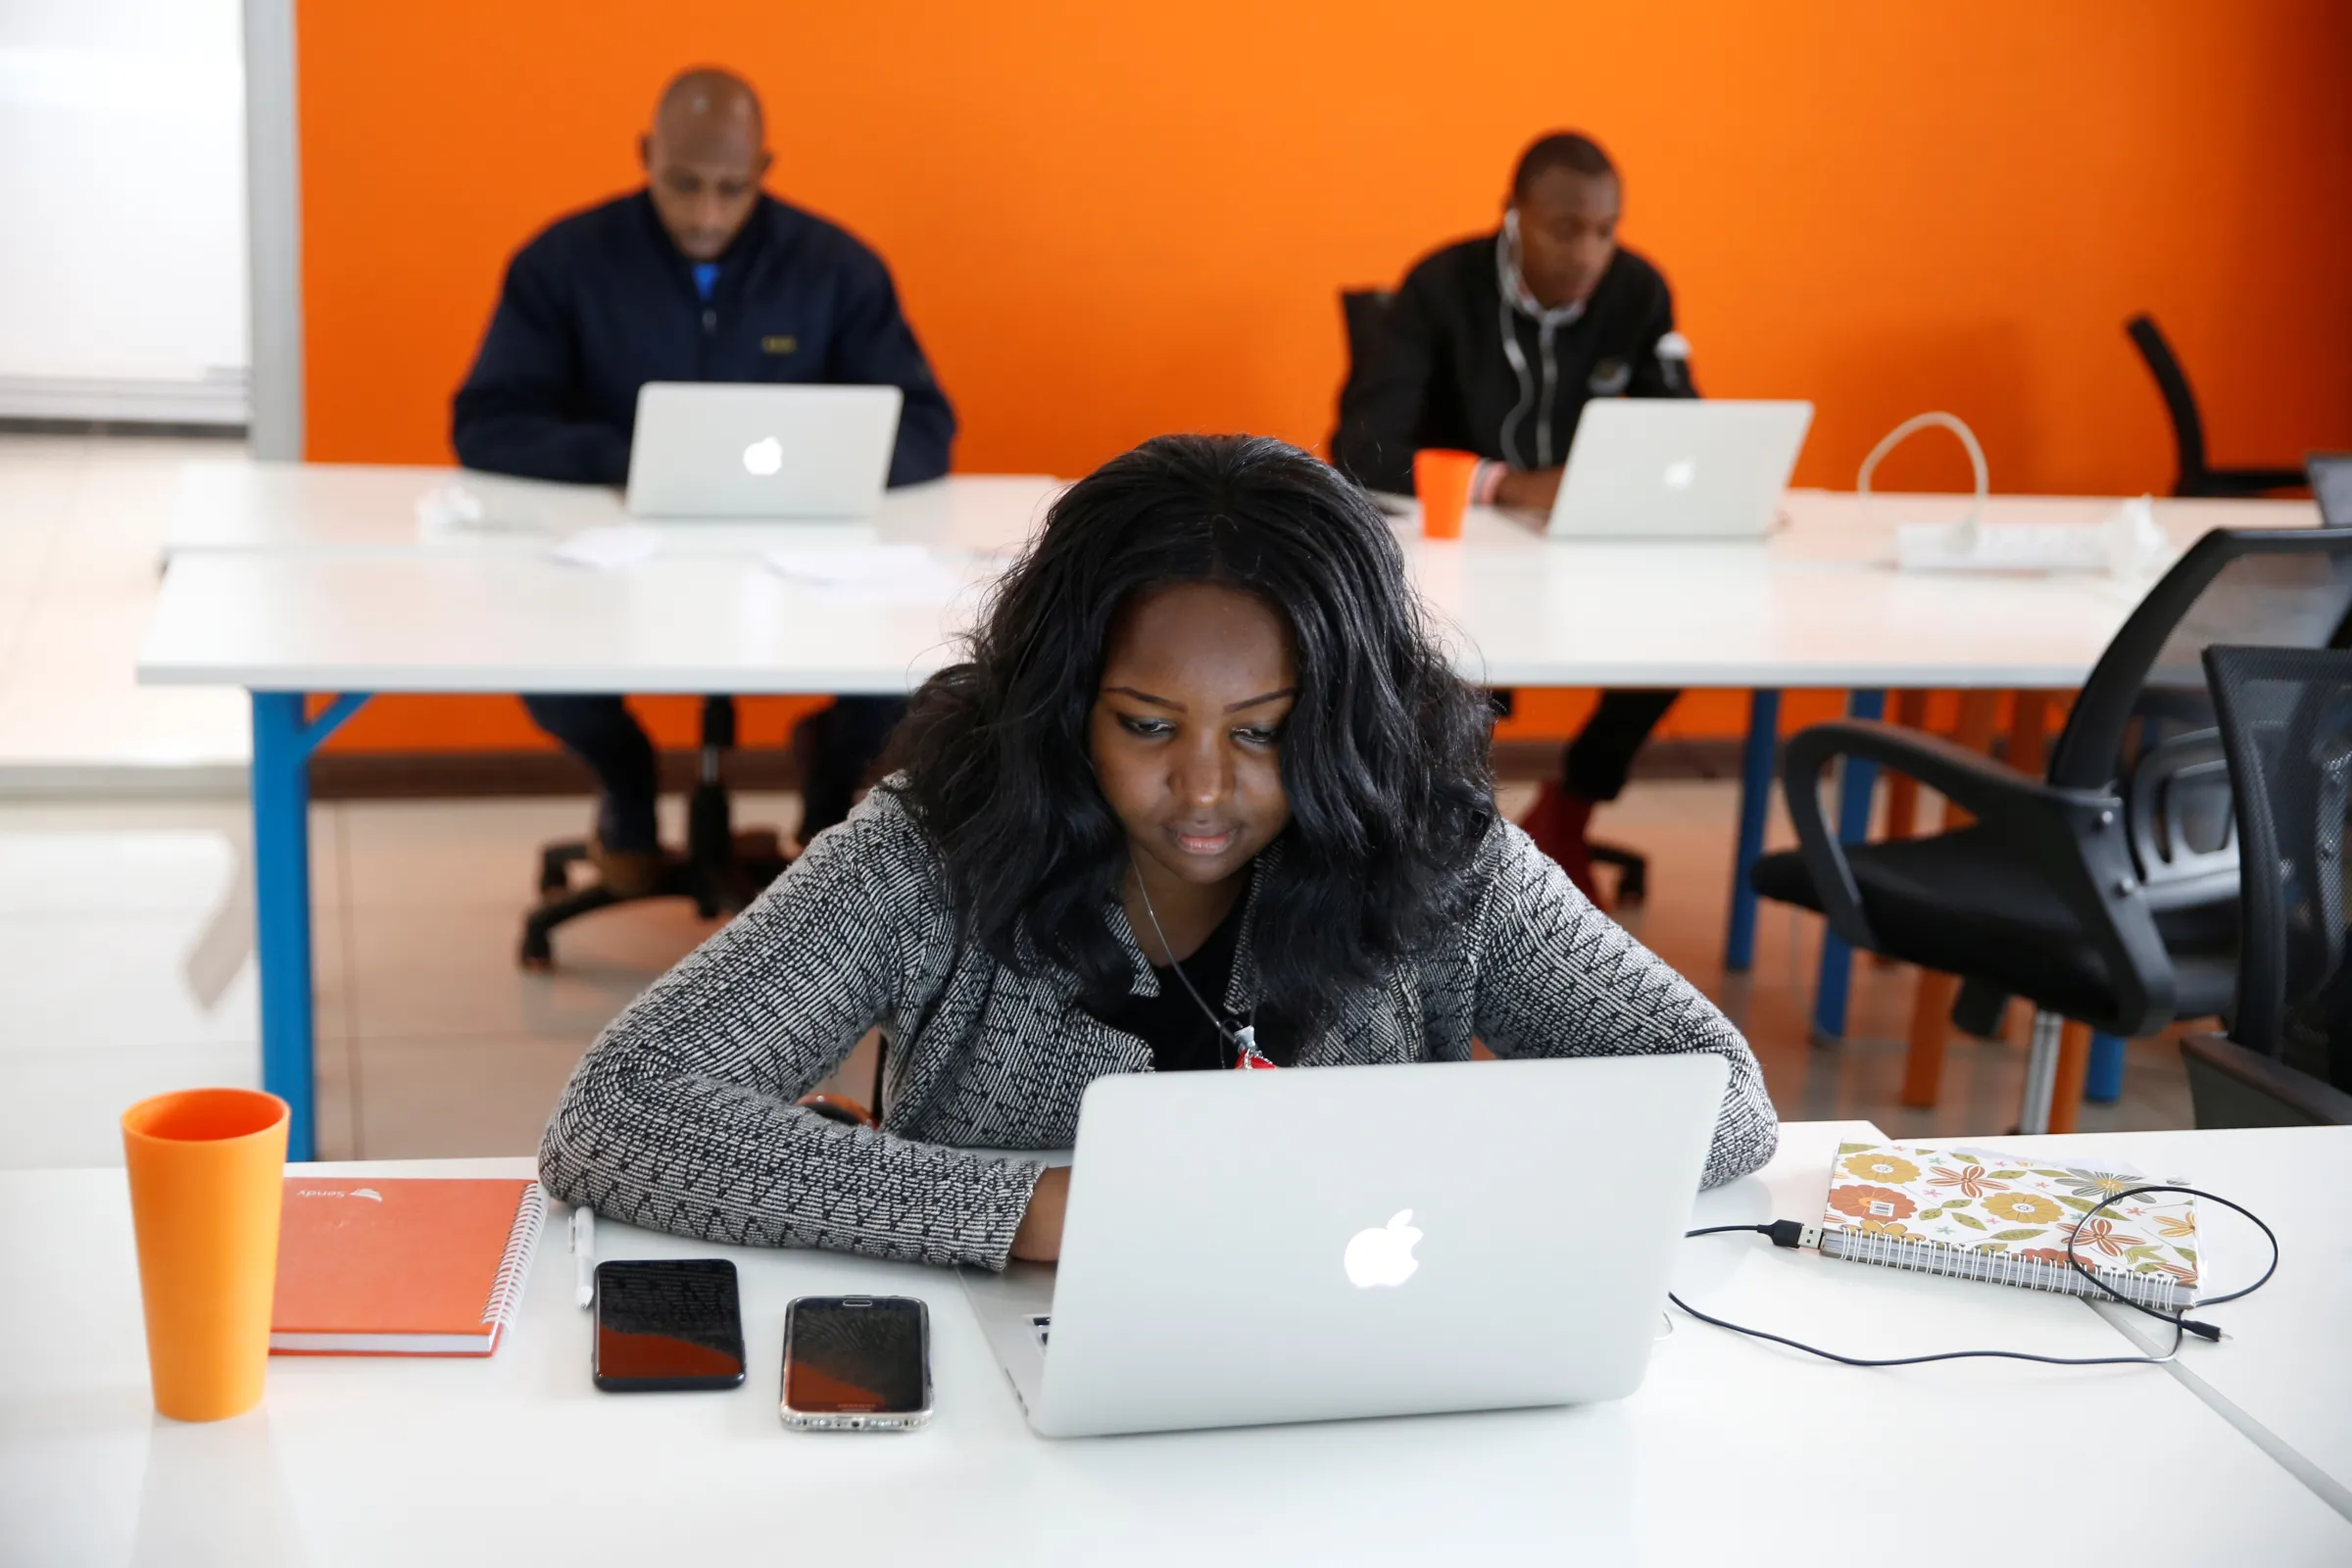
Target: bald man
(699, 276)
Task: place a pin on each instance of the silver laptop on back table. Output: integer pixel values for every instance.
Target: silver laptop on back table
(1678, 469)
(1321, 1243)
(746, 449)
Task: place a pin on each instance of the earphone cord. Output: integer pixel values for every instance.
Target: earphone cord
(1225, 1031)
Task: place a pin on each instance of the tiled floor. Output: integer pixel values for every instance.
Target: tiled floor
(126, 923)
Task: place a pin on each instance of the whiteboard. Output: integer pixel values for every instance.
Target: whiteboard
(122, 262)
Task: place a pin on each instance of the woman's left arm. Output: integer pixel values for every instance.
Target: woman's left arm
(1555, 977)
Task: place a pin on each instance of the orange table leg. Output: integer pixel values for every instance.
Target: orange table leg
(2030, 734)
(2074, 1062)
(1930, 1022)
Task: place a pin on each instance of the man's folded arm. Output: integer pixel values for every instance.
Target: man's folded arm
(509, 417)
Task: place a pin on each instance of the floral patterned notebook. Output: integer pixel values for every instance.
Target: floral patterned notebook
(1982, 1214)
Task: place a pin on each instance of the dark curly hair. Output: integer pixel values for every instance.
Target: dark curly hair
(1385, 756)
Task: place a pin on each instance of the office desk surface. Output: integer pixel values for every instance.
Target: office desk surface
(1734, 1452)
(2287, 1364)
(1818, 606)
(240, 505)
(237, 504)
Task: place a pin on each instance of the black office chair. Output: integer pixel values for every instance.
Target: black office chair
(722, 870)
(2286, 719)
(1364, 313)
(2189, 427)
(2106, 892)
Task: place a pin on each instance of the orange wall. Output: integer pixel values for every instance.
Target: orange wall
(1113, 220)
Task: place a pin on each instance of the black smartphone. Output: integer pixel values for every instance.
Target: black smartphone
(856, 1363)
(667, 1323)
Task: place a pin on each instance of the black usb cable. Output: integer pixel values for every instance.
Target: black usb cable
(1790, 1233)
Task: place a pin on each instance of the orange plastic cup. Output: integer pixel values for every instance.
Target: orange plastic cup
(207, 1182)
(1442, 479)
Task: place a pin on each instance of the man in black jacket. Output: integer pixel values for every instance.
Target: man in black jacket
(1493, 346)
(701, 276)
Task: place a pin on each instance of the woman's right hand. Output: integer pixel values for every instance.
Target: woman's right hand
(1534, 491)
(1039, 1240)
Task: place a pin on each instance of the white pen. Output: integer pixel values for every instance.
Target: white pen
(583, 1253)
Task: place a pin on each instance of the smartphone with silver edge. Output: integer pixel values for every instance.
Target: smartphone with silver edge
(856, 1363)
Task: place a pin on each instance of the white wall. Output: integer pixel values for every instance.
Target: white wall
(122, 265)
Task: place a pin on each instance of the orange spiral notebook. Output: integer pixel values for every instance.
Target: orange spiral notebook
(406, 1266)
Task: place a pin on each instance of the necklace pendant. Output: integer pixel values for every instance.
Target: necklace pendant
(1247, 1058)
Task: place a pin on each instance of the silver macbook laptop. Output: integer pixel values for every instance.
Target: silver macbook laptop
(734, 449)
(1678, 469)
(1331, 1241)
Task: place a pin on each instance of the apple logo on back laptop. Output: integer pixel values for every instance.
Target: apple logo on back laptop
(763, 457)
(1680, 473)
(1384, 1257)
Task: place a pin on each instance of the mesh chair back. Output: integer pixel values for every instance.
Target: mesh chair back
(2287, 724)
(2179, 403)
(2251, 587)
(2143, 725)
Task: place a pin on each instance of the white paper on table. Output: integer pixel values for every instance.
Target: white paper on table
(614, 548)
(871, 574)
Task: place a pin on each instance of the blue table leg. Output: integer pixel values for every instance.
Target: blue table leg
(282, 744)
(2104, 1081)
(1756, 758)
(1855, 781)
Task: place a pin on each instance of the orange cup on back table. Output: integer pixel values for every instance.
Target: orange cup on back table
(1442, 479)
(207, 1171)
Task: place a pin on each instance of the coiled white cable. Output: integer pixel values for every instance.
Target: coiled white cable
(1911, 427)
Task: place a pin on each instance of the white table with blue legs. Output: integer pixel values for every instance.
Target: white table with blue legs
(2284, 1374)
(1733, 1452)
(314, 592)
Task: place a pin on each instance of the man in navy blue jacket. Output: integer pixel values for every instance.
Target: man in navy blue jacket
(701, 276)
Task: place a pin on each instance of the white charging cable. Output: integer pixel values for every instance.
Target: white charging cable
(1911, 427)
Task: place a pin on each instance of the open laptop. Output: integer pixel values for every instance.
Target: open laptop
(1678, 469)
(1245, 1248)
(737, 450)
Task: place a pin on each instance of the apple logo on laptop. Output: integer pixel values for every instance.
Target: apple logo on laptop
(1384, 1256)
(763, 457)
(1680, 473)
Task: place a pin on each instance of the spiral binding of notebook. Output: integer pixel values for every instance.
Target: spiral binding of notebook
(515, 1268)
(2008, 1219)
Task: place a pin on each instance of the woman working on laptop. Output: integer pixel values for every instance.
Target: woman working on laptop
(1204, 795)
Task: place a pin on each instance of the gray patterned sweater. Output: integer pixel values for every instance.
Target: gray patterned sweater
(681, 1118)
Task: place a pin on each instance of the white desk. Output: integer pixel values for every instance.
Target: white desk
(1733, 1452)
(2287, 1365)
(291, 578)
(329, 581)
(238, 505)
